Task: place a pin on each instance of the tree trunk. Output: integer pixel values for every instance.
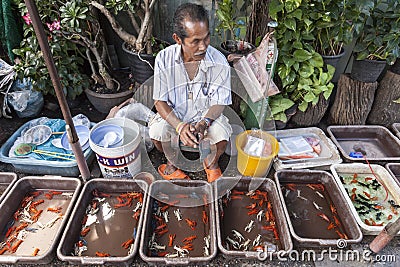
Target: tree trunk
(258, 20)
(353, 101)
(313, 114)
(127, 37)
(384, 110)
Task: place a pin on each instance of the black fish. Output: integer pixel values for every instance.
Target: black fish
(363, 184)
(362, 197)
(363, 212)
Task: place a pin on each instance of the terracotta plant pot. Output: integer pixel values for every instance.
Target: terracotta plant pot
(104, 102)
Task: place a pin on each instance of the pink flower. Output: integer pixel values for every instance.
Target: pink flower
(54, 26)
(27, 19)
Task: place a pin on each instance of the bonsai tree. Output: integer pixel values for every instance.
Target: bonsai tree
(80, 25)
(140, 13)
(378, 31)
(74, 35)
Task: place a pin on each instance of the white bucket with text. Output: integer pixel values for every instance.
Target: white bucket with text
(124, 160)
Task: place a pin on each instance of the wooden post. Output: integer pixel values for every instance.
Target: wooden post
(353, 101)
(384, 110)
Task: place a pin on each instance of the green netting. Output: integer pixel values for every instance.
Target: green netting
(10, 33)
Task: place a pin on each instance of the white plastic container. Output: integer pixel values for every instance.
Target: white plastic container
(329, 152)
(392, 187)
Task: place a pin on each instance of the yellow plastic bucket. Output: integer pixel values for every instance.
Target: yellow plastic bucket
(251, 165)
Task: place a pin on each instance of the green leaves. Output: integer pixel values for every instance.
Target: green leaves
(226, 16)
(64, 52)
(117, 6)
(279, 105)
(71, 13)
(291, 5)
(275, 6)
(290, 23)
(300, 68)
(301, 55)
(377, 30)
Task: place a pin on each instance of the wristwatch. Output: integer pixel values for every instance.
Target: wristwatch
(207, 121)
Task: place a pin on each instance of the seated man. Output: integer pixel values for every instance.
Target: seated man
(191, 89)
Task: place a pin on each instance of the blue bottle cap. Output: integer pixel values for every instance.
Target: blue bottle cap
(357, 155)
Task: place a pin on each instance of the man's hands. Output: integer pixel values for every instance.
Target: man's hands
(192, 134)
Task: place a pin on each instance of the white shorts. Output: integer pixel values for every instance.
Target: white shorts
(161, 130)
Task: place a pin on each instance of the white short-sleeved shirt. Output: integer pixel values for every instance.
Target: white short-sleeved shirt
(191, 99)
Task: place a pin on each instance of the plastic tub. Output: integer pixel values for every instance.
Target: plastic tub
(36, 166)
(99, 135)
(105, 237)
(329, 152)
(315, 237)
(394, 170)
(245, 184)
(64, 193)
(195, 198)
(377, 143)
(364, 170)
(83, 134)
(252, 165)
(7, 180)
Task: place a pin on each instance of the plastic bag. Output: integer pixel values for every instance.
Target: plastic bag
(25, 101)
(257, 146)
(144, 132)
(135, 111)
(252, 70)
(138, 112)
(6, 80)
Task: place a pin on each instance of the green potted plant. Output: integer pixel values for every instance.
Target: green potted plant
(30, 63)
(300, 69)
(142, 46)
(227, 27)
(74, 36)
(331, 27)
(80, 25)
(377, 39)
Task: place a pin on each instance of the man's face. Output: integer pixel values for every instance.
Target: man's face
(195, 44)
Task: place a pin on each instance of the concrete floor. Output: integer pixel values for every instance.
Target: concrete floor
(228, 164)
